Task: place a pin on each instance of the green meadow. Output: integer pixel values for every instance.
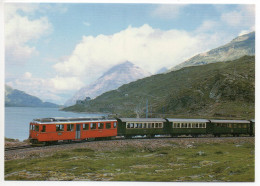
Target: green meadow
(195, 162)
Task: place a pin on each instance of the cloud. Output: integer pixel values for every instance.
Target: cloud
(66, 83)
(27, 75)
(86, 23)
(149, 48)
(19, 30)
(207, 25)
(46, 89)
(243, 16)
(168, 11)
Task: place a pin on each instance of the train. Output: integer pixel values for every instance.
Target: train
(52, 130)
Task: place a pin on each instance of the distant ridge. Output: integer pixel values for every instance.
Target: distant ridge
(238, 47)
(17, 98)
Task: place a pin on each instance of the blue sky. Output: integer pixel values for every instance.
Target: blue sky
(52, 50)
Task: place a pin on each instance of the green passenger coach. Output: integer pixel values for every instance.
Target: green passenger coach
(193, 127)
(233, 127)
(149, 127)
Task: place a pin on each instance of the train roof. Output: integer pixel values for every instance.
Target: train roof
(70, 120)
(142, 119)
(187, 120)
(229, 121)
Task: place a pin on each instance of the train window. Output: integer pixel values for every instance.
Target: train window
(100, 125)
(43, 128)
(70, 127)
(31, 127)
(149, 125)
(85, 126)
(200, 125)
(115, 124)
(37, 128)
(152, 125)
(127, 125)
(108, 125)
(204, 125)
(160, 125)
(178, 125)
(156, 125)
(93, 126)
(140, 125)
(59, 127)
(144, 125)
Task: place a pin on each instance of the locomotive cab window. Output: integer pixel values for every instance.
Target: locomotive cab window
(43, 128)
(114, 124)
(37, 128)
(70, 127)
(59, 127)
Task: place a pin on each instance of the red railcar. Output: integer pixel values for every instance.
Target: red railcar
(48, 130)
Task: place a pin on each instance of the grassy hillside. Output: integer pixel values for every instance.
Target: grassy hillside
(224, 89)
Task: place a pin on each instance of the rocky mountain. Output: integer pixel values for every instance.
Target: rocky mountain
(17, 98)
(110, 80)
(217, 90)
(238, 47)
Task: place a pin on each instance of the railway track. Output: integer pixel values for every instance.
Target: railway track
(19, 147)
(74, 142)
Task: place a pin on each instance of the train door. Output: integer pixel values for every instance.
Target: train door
(78, 131)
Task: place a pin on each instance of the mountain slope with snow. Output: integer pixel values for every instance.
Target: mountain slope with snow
(112, 79)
